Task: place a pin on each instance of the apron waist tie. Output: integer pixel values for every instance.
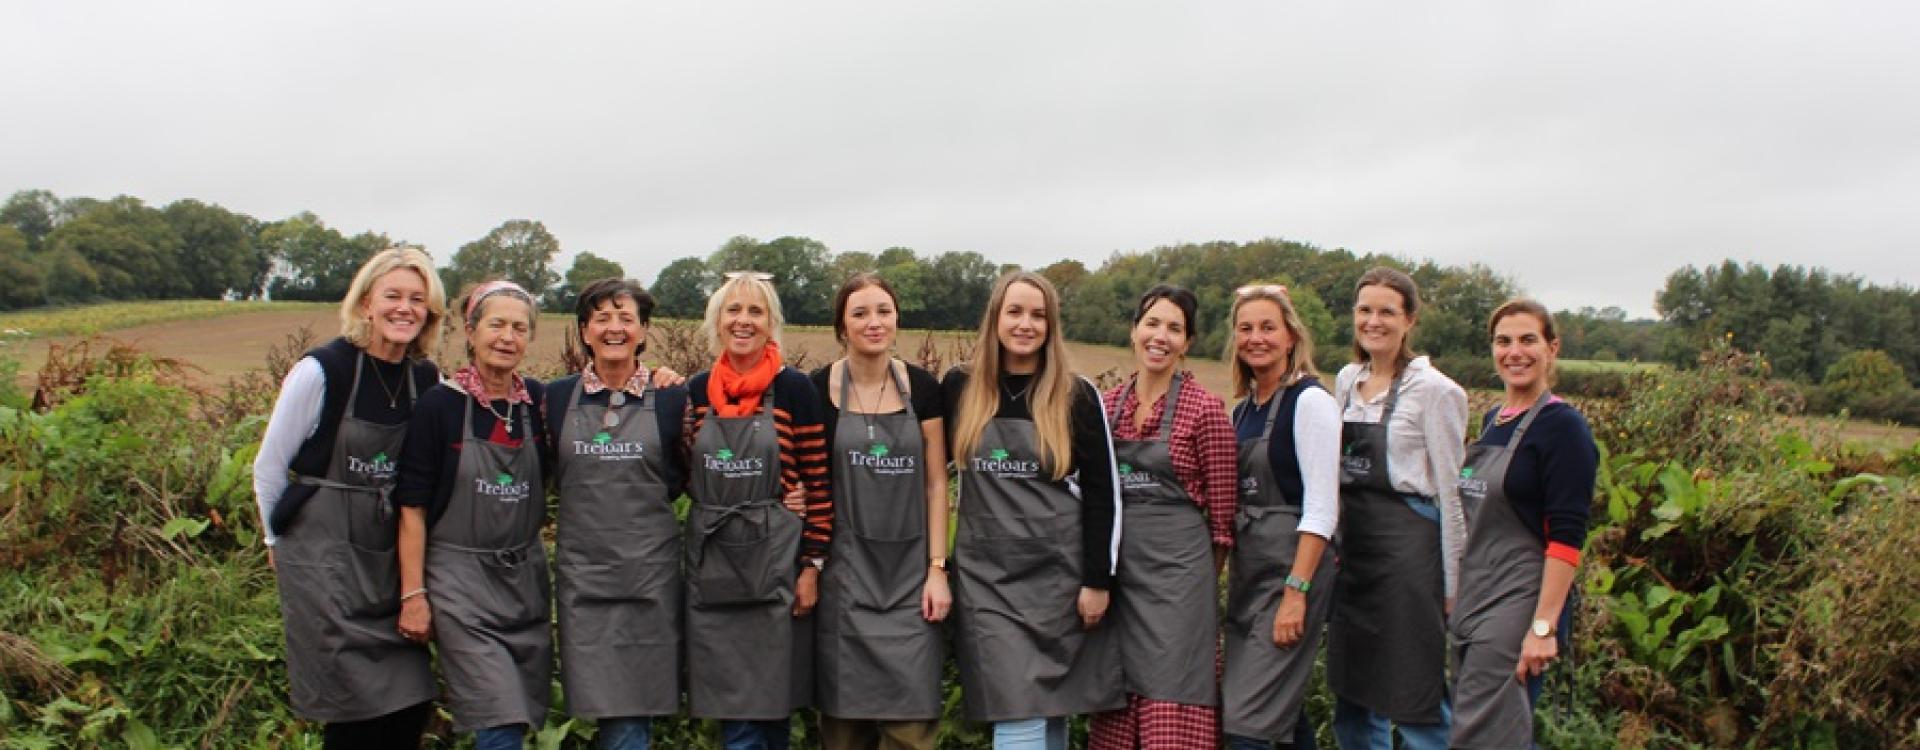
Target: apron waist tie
(1261, 511)
(509, 557)
(330, 484)
(726, 513)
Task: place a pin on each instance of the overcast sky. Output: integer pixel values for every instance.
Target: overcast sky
(1585, 149)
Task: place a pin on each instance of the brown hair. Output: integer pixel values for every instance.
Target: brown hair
(1399, 281)
(1051, 396)
(578, 353)
(853, 284)
(1299, 360)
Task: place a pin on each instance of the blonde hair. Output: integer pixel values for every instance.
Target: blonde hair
(1050, 396)
(751, 281)
(1299, 359)
(354, 325)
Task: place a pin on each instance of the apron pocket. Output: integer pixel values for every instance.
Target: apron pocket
(1265, 539)
(626, 580)
(742, 561)
(882, 574)
(371, 524)
(515, 595)
(371, 586)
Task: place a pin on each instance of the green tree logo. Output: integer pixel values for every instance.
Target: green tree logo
(380, 458)
(1466, 472)
(504, 479)
(1126, 468)
(998, 454)
(725, 454)
(602, 438)
(879, 450)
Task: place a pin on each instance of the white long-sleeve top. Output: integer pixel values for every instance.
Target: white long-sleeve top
(1316, 445)
(1426, 443)
(296, 415)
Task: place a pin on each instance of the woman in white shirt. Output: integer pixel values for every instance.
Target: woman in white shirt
(1401, 527)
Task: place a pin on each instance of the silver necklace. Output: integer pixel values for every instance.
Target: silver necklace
(879, 397)
(506, 420)
(1011, 396)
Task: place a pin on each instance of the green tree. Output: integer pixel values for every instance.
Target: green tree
(801, 269)
(216, 251)
(26, 280)
(681, 289)
(961, 283)
(586, 269)
(313, 261)
(33, 213)
(132, 249)
(1863, 374)
(907, 275)
(519, 250)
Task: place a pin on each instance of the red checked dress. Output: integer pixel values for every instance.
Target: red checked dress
(1205, 456)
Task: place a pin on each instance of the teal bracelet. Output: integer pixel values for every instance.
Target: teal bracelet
(1296, 582)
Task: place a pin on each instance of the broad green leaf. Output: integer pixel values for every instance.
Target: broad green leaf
(192, 527)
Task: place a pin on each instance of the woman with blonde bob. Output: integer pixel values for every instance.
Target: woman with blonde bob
(1280, 579)
(1035, 550)
(756, 437)
(320, 479)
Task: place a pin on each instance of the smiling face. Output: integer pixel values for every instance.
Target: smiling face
(871, 321)
(745, 324)
(501, 333)
(1522, 354)
(1160, 339)
(1260, 336)
(396, 305)
(1380, 321)
(614, 331)
(1022, 327)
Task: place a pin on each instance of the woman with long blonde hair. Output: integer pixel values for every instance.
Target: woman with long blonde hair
(1034, 553)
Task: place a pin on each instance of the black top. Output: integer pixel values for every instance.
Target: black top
(1092, 462)
(432, 451)
(1249, 418)
(337, 359)
(669, 410)
(1551, 478)
(923, 392)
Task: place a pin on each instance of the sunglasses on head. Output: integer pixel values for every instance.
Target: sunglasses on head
(755, 275)
(1278, 290)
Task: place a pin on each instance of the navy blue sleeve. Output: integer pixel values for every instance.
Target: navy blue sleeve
(424, 452)
(1570, 463)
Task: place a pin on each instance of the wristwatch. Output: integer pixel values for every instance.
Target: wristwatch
(1541, 629)
(937, 562)
(1298, 583)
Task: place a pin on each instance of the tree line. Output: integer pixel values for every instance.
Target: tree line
(1807, 322)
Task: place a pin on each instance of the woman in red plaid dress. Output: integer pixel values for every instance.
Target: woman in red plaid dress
(1176, 457)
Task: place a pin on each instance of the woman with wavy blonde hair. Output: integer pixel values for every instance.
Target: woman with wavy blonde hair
(1034, 553)
(320, 480)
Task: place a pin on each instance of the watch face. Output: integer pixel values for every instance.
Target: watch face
(1541, 628)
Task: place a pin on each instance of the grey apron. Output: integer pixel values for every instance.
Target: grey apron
(1165, 603)
(617, 562)
(1017, 563)
(339, 575)
(1387, 642)
(748, 657)
(1499, 587)
(877, 657)
(487, 570)
(1265, 686)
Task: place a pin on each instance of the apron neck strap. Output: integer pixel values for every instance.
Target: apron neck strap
(846, 385)
(1520, 430)
(1393, 394)
(1172, 398)
(353, 391)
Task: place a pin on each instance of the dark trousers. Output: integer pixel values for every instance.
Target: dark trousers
(399, 730)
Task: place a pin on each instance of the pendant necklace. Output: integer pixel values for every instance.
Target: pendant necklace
(507, 419)
(393, 394)
(879, 396)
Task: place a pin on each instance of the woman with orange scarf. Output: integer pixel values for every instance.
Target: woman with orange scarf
(757, 435)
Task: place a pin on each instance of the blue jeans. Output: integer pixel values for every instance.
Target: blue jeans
(626, 733)
(736, 734)
(508, 737)
(1303, 739)
(1357, 728)
(1045, 733)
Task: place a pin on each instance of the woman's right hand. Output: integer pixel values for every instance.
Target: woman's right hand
(796, 499)
(416, 619)
(1290, 623)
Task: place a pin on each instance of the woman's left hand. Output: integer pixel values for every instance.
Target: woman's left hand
(1535, 654)
(806, 590)
(796, 499)
(935, 599)
(1093, 607)
(665, 377)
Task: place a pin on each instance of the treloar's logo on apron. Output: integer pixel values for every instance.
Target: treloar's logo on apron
(606, 448)
(723, 463)
(1357, 465)
(378, 467)
(502, 488)
(1135, 480)
(1002, 465)
(879, 459)
(1249, 485)
(1471, 487)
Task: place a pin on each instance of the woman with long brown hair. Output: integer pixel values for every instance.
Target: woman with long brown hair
(1034, 553)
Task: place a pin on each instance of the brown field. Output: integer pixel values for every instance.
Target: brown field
(233, 344)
